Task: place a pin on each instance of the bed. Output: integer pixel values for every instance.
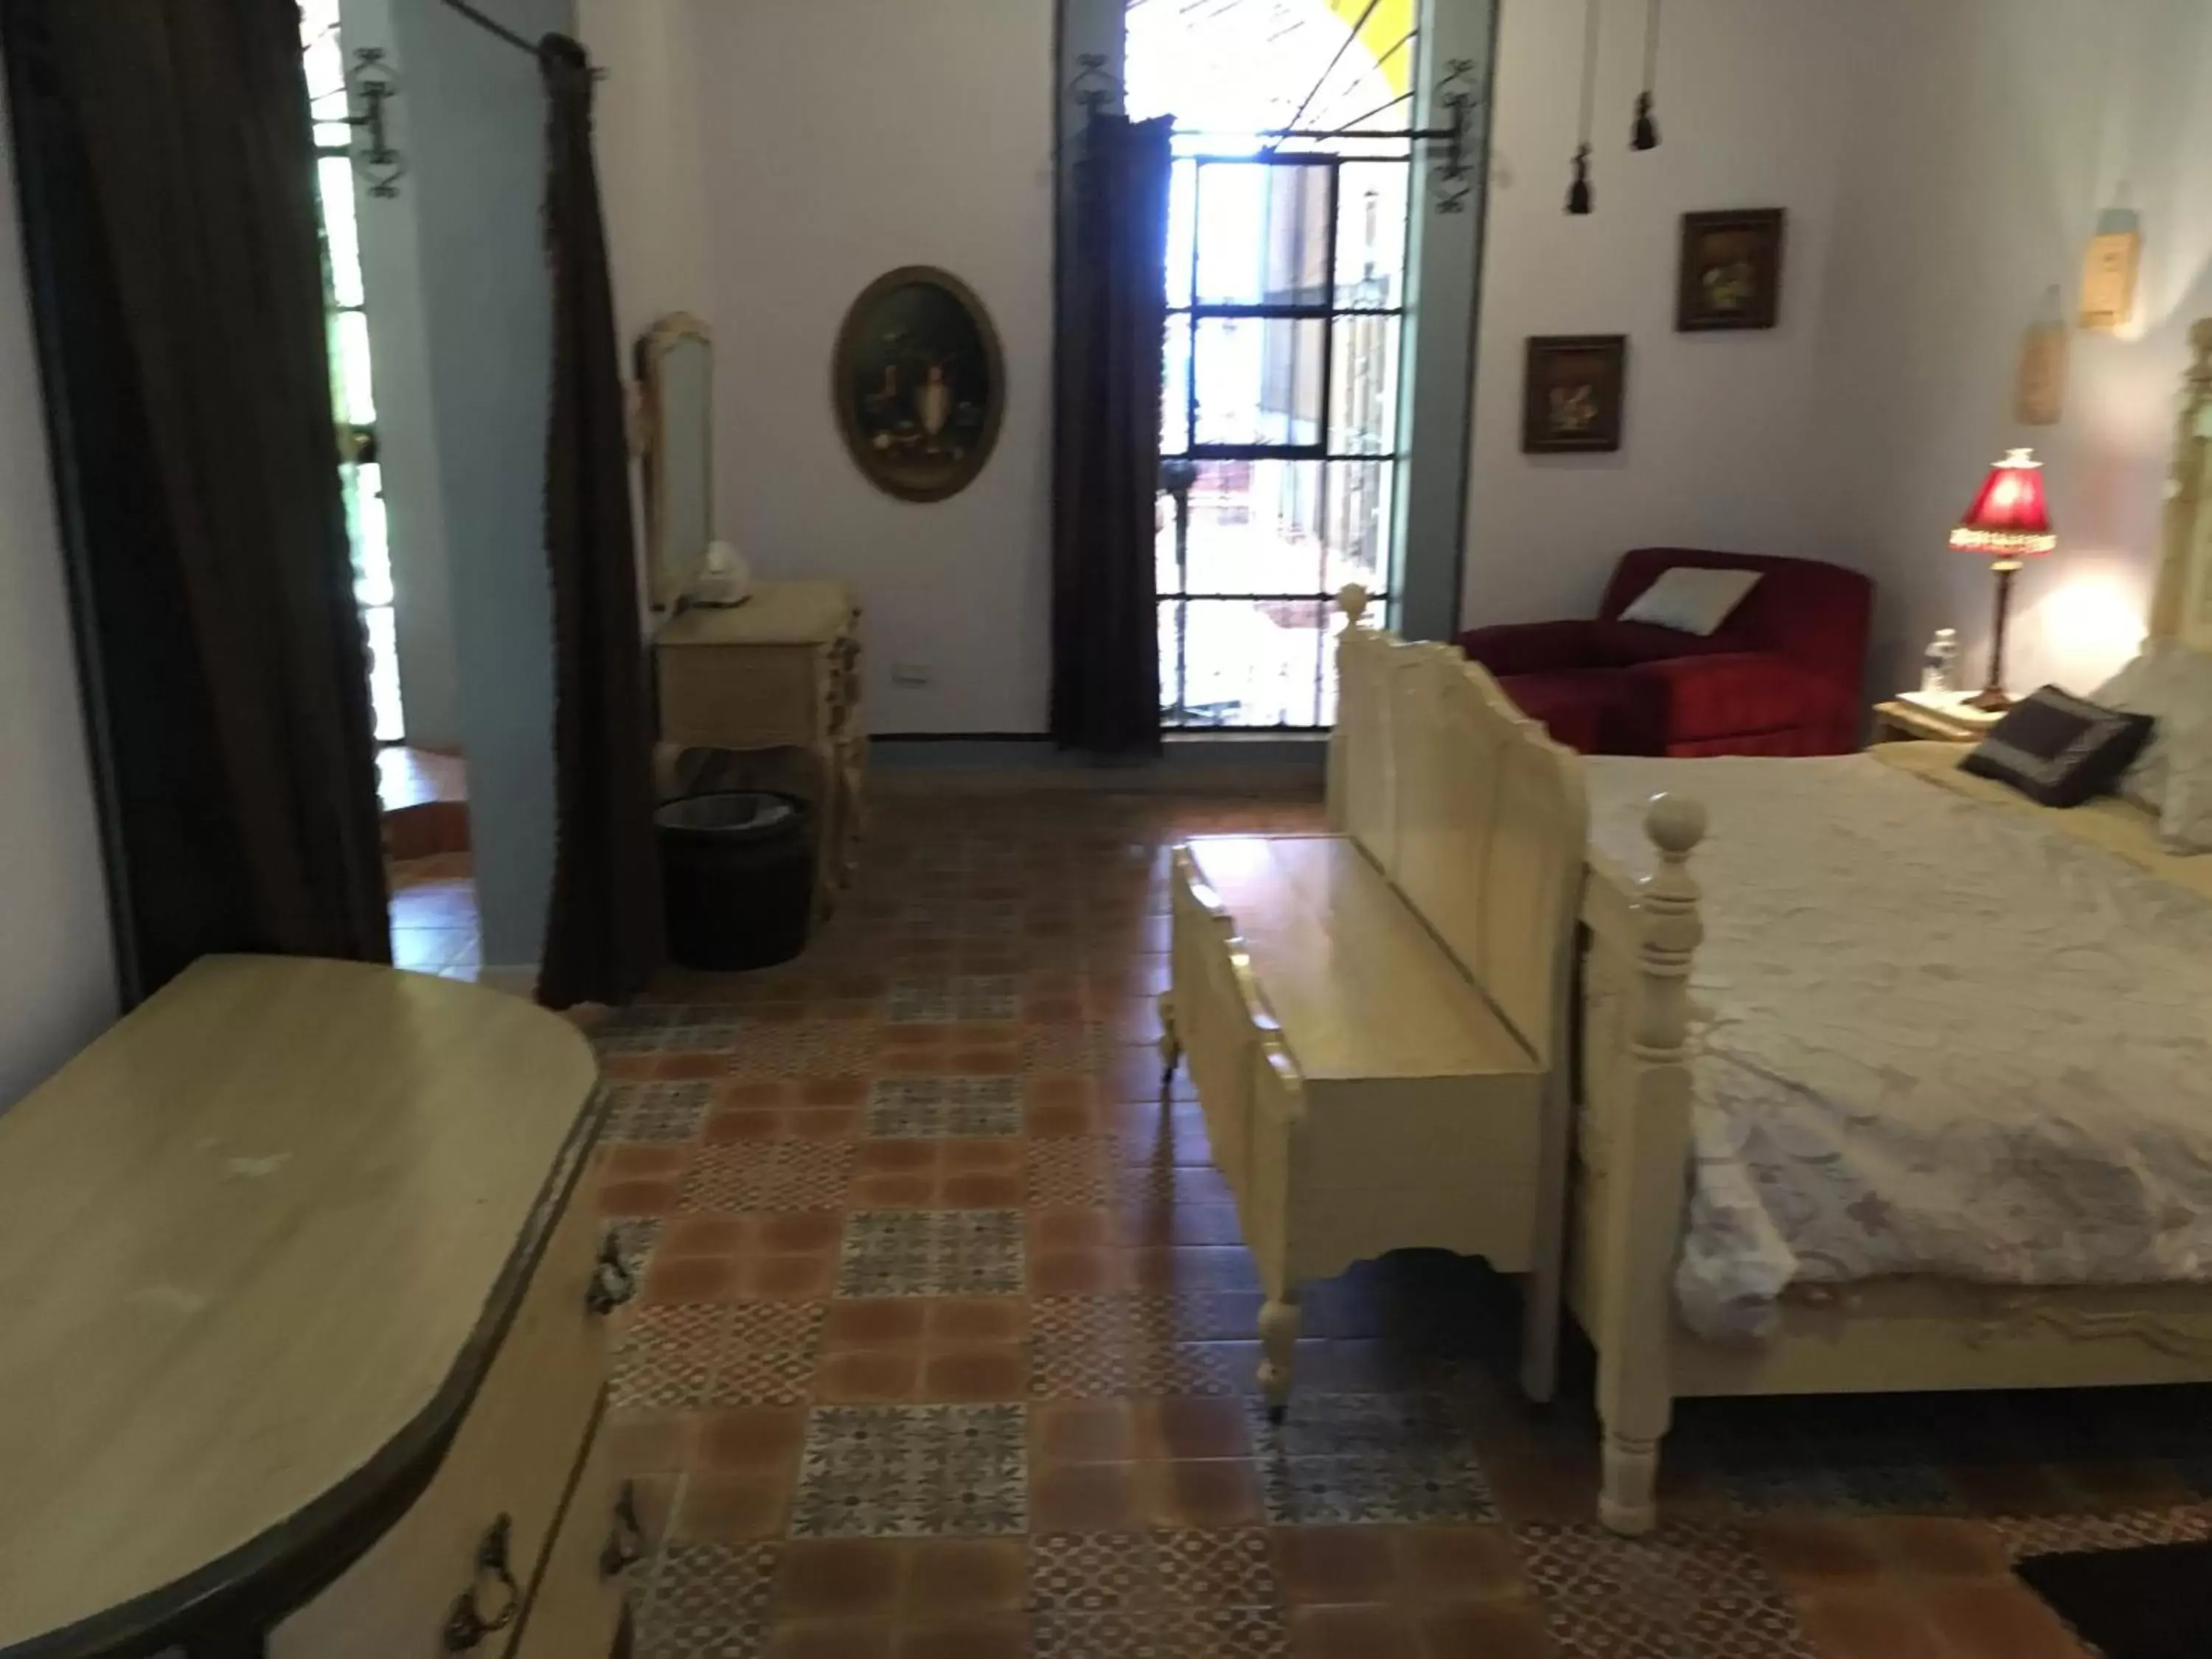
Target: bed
(1912, 1162)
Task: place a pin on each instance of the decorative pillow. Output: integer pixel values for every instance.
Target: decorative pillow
(1692, 601)
(2173, 776)
(2057, 749)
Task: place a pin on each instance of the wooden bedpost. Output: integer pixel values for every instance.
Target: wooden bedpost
(2184, 491)
(1649, 1156)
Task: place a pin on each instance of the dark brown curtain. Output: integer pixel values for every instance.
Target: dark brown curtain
(603, 933)
(164, 151)
(1106, 443)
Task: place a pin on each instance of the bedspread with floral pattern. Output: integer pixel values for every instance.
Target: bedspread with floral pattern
(1930, 1037)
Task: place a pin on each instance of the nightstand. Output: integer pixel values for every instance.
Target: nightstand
(1903, 720)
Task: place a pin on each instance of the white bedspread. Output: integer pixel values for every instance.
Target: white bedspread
(1932, 1036)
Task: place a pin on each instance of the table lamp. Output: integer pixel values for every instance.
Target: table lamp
(2007, 524)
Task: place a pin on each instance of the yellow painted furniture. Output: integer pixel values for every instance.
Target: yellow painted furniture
(1367, 1015)
(782, 672)
(307, 1329)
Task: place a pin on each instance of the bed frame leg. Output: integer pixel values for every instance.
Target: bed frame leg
(1279, 1320)
(1628, 1502)
(1170, 1046)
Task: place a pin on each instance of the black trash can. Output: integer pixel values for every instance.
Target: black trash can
(738, 871)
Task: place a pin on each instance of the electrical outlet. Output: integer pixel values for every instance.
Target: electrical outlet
(910, 673)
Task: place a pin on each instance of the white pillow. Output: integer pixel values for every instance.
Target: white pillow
(1692, 601)
(2173, 776)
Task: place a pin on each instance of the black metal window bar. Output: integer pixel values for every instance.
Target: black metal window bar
(1322, 436)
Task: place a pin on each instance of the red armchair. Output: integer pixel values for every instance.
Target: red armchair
(1782, 675)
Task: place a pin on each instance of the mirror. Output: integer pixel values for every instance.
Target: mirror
(676, 366)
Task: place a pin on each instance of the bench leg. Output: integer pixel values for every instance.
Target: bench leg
(1170, 1045)
(1279, 1320)
(1627, 1501)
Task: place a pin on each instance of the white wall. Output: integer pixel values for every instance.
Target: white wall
(1717, 445)
(56, 968)
(841, 138)
(1989, 134)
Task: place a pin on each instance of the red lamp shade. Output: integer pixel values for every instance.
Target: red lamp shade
(2009, 520)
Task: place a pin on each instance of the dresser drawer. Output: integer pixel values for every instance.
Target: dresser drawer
(753, 696)
(577, 1605)
(510, 1461)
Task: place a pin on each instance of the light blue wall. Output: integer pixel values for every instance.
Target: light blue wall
(475, 124)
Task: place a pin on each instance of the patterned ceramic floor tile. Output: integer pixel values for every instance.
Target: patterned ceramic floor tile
(953, 999)
(779, 1175)
(668, 1356)
(657, 1111)
(936, 1108)
(913, 1471)
(1084, 1574)
(931, 1253)
(766, 1356)
(1215, 1568)
(1071, 1173)
(1341, 1460)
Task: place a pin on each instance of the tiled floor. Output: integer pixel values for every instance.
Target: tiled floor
(945, 1348)
(433, 915)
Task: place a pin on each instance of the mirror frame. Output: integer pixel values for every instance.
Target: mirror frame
(666, 585)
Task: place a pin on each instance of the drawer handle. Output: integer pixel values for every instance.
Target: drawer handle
(614, 1281)
(468, 1625)
(626, 1543)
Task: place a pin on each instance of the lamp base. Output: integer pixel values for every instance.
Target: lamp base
(1991, 701)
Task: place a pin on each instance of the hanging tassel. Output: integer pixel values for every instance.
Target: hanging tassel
(1578, 194)
(1645, 134)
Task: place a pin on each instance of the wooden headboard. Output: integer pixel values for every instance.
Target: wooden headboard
(2182, 607)
(1477, 818)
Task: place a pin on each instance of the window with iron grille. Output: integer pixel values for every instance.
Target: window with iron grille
(1286, 338)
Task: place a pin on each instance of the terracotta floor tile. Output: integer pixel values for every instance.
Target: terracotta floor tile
(1083, 1498)
(1220, 1493)
(1457, 1564)
(1055, 1228)
(1193, 1429)
(2009, 1488)
(1353, 1632)
(986, 1062)
(1004, 1635)
(897, 1157)
(831, 1638)
(1056, 1122)
(619, 1162)
(639, 1198)
(2001, 1619)
(951, 1578)
(690, 1278)
(977, 1318)
(973, 1375)
(753, 1094)
(1058, 1089)
(822, 1122)
(702, 1235)
(786, 1278)
(1051, 1011)
(649, 1442)
(1334, 1564)
(731, 1128)
(839, 1578)
(1938, 1546)
(893, 1191)
(803, 1232)
(1872, 1624)
(983, 1190)
(964, 1157)
(654, 1498)
(1082, 1431)
(1074, 1272)
(890, 1323)
(690, 1068)
(833, 1092)
(1485, 1630)
(1547, 1486)
(868, 1376)
(762, 1438)
(718, 1508)
(1816, 1554)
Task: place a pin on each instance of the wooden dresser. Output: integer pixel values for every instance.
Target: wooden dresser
(780, 672)
(306, 1330)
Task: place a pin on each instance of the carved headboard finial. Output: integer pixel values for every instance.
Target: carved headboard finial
(1351, 600)
(1676, 824)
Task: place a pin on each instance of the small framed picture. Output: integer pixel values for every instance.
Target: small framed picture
(1731, 275)
(1575, 386)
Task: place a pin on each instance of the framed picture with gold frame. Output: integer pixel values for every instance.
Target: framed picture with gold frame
(1571, 399)
(920, 384)
(1731, 270)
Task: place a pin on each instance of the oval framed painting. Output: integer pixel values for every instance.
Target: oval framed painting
(919, 383)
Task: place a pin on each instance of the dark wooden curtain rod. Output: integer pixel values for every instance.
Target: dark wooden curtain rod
(493, 26)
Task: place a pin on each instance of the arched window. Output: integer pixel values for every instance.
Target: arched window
(1287, 258)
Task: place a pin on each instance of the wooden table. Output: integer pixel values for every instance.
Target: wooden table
(301, 1321)
(780, 672)
(1900, 721)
